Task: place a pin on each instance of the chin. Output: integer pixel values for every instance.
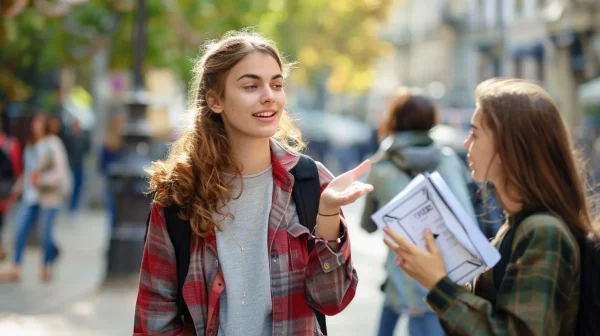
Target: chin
(264, 133)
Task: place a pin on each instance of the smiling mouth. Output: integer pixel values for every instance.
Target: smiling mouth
(264, 114)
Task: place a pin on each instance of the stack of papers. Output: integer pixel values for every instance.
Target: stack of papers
(428, 202)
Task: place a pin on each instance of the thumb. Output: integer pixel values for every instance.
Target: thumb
(430, 242)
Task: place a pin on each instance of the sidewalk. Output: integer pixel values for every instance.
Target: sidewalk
(109, 311)
(78, 272)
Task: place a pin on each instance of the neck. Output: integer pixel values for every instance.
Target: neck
(507, 199)
(253, 155)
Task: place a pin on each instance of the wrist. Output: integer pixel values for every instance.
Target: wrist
(435, 280)
(328, 210)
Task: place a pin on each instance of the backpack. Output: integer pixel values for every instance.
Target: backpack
(7, 173)
(589, 296)
(306, 194)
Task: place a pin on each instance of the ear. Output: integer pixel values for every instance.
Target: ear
(213, 101)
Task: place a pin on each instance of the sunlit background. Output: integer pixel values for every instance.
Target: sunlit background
(121, 69)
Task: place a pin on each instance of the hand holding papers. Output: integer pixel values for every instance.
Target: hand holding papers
(427, 202)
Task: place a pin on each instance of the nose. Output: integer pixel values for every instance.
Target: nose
(467, 142)
(268, 95)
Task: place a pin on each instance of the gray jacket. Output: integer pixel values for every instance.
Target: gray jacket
(401, 157)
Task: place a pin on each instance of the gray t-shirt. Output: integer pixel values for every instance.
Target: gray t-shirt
(250, 229)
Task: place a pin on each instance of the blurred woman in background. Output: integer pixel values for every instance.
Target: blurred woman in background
(43, 187)
(11, 168)
(407, 150)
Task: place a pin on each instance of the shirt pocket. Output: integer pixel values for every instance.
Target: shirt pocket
(297, 249)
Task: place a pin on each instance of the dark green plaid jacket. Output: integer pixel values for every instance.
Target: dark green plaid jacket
(539, 294)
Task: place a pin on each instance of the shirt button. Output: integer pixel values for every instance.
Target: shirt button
(326, 266)
(216, 263)
(274, 257)
(209, 331)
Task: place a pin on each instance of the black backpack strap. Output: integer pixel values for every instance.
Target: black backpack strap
(307, 194)
(180, 234)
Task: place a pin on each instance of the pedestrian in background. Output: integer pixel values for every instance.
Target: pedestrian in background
(407, 150)
(11, 168)
(43, 187)
(519, 142)
(77, 143)
(110, 152)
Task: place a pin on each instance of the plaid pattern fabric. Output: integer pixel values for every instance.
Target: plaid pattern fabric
(539, 294)
(325, 280)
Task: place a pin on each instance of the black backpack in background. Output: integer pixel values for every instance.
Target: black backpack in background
(306, 193)
(588, 318)
(7, 173)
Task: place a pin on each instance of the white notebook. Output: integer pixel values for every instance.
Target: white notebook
(428, 202)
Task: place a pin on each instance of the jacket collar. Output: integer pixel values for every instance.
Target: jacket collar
(283, 160)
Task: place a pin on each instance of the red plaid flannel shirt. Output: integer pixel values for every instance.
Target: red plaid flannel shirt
(325, 280)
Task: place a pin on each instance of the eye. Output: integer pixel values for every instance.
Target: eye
(277, 86)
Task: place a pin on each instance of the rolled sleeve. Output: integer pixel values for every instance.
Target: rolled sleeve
(331, 260)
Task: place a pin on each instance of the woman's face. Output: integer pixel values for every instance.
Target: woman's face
(38, 127)
(254, 98)
(482, 156)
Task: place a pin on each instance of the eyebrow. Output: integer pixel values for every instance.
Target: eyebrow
(253, 76)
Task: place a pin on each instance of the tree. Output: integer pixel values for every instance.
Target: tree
(336, 39)
(40, 36)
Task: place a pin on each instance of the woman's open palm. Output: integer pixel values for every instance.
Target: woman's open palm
(346, 188)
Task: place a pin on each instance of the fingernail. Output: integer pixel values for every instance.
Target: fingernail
(427, 230)
(386, 228)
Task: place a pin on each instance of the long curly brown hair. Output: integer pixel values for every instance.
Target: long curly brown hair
(191, 175)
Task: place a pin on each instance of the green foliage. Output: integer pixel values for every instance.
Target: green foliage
(334, 37)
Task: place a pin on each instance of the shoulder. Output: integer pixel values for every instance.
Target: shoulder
(547, 233)
(157, 214)
(450, 156)
(325, 176)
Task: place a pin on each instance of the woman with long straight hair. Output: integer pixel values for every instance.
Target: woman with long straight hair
(519, 142)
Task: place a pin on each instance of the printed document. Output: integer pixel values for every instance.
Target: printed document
(428, 202)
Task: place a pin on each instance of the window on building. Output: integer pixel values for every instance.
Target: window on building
(519, 7)
(518, 67)
(541, 73)
(499, 12)
(481, 10)
(541, 4)
(486, 68)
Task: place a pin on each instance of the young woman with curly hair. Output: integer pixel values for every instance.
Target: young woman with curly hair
(250, 271)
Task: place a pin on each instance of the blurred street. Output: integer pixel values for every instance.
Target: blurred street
(79, 302)
(93, 92)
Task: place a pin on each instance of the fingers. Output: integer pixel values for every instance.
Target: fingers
(408, 246)
(400, 252)
(354, 192)
(430, 242)
(361, 168)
